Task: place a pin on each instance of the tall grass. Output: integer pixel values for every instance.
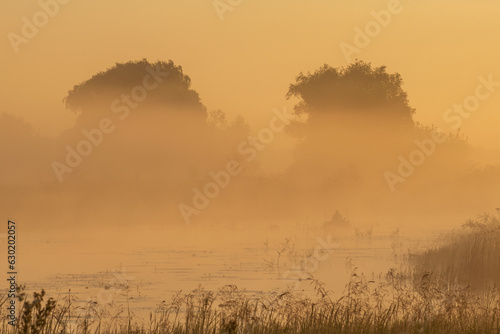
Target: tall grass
(448, 290)
(469, 256)
(391, 303)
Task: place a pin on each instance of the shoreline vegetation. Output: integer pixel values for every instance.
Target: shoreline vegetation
(446, 289)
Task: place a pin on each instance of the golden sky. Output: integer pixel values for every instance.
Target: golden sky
(244, 63)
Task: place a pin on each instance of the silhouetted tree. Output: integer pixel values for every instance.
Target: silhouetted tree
(13, 129)
(168, 135)
(359, 88)
(161, 85)
(356, 125)
(23, 151)
(217, 119)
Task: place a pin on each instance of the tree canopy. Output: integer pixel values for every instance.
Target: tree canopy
(358, 88)
(173, 88)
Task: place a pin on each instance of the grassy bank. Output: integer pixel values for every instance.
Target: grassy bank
(450, 288)
(469, 256)
(392, 303)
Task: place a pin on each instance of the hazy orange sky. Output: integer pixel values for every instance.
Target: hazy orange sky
(245, 63)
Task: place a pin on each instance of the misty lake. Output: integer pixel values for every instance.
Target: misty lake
(109, 269)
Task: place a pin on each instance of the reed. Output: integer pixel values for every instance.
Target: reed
(448, 289)
(469, 256)
(390, 303)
